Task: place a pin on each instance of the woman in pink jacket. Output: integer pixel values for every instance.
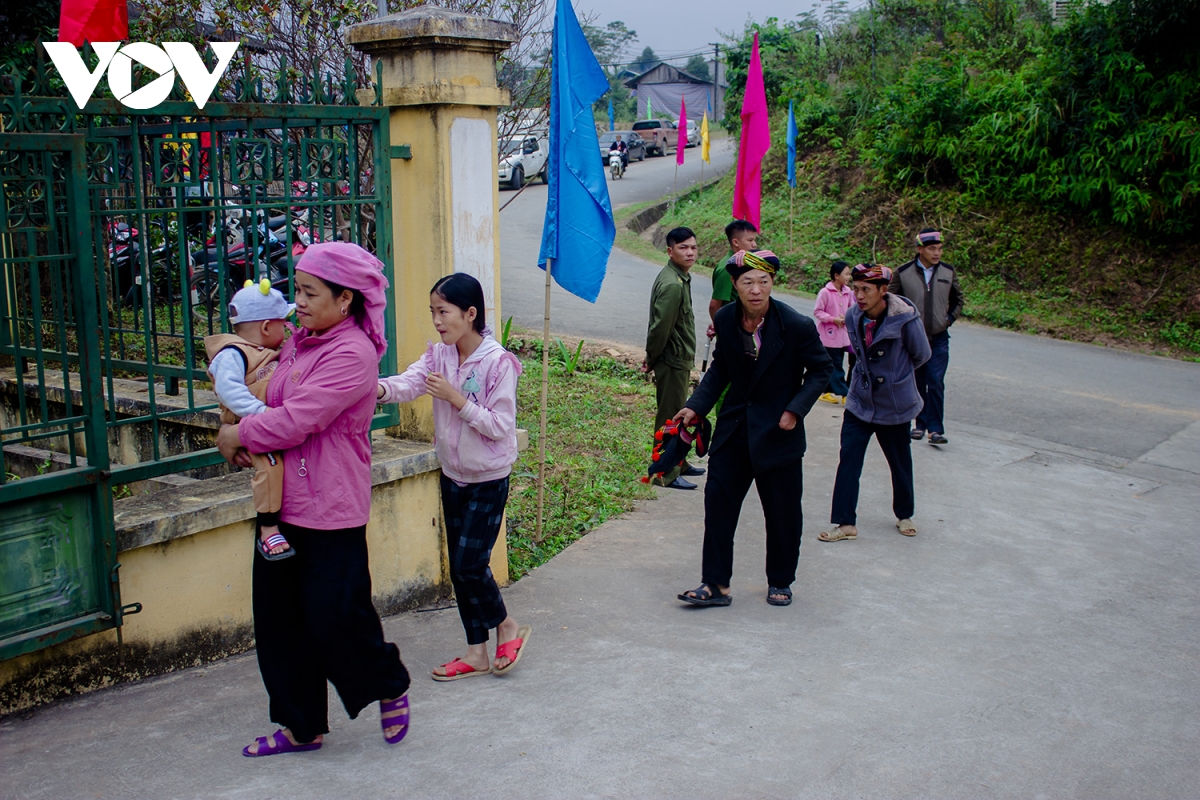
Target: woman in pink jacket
(834, 299)
(473, 382)
(313, 616)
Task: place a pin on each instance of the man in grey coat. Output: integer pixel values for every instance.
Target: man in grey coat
(932, 286)
(890, 345)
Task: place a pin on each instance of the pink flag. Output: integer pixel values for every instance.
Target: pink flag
(681, 141)
(756, 140)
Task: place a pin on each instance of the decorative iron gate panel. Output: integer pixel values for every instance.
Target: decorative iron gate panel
(125, 234)
(57, 557)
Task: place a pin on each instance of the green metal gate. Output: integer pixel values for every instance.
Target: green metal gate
(57, 561)
(125, 233)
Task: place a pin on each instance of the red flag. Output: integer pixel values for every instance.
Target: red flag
(93, 20)
(681, 140)
(756, 140)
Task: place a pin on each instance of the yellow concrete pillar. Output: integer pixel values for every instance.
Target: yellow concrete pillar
(439, 79)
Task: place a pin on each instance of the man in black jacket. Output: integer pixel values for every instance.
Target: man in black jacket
(771, 359)
(932, 286)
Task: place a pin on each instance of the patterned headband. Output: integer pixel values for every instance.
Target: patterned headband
(871, 273)
(928, 238)
(743, 261)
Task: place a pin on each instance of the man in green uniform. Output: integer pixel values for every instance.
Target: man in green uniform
(671, 339)
(742, 235)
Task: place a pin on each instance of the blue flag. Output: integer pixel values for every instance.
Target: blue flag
(610, 115)
(791, 136)
(578, 232)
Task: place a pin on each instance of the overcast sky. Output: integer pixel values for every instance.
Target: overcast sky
(677, 28)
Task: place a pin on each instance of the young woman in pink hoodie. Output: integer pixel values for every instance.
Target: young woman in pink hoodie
(473, 382)
(834, 299)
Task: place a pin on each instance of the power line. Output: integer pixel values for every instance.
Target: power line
(657, 59)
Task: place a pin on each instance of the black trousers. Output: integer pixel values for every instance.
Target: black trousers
(314, 622)
(897, 449)
(730, 474)
(837, 381)
(473, 515)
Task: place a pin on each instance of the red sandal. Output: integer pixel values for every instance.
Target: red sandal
(513, 649)
(457, 669)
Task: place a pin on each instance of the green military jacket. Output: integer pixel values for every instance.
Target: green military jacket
(671, 336)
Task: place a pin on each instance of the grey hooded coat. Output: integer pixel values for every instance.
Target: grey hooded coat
(883, 385)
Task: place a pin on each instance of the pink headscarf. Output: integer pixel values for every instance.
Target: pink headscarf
(349, 265)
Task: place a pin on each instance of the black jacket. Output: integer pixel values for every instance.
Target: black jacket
(790, 373)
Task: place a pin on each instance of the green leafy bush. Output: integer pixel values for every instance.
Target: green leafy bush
(1098, 114)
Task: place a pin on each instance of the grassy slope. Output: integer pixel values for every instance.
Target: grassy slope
(599, 424)
(1021, 267)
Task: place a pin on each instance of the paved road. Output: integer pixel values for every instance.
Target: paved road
(1105, 401)
(1038, 638)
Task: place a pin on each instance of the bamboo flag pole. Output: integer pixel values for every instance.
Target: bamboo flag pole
(675, 191)
(791, 219)
(541, 494)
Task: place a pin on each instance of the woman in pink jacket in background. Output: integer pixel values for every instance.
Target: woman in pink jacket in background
(473, 382)
(834, 299)
(314, 620)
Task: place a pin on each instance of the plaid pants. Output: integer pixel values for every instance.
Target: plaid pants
(473, 515)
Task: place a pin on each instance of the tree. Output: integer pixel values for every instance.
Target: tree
(22, 25)
(645, 61)
(698, 67)
(310, 34)
(609, 43)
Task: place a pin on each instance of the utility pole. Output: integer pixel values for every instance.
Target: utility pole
(716, 90)
(871, 6)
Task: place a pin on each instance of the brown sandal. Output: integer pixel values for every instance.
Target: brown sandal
(836, 534)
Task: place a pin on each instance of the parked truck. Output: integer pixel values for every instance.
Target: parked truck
(661, 135)
(523, 156)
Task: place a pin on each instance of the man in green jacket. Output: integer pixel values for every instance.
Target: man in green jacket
(671, 339)
(742, 235)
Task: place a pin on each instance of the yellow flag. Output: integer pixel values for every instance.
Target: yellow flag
(704, 138)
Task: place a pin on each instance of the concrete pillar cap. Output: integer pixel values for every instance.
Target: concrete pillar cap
(430, 27)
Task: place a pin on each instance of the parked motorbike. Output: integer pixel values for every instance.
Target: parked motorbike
(124, 256)
(269, 259)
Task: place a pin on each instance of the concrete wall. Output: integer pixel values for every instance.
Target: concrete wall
(186, 555)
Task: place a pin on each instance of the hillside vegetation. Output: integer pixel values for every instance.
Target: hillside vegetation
(1061, 160)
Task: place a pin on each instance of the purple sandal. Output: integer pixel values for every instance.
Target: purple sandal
(277, 743)
(399, 720)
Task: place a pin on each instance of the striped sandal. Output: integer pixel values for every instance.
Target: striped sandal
(273, 541)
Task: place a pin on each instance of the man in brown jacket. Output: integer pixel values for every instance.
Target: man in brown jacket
(932, 286)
